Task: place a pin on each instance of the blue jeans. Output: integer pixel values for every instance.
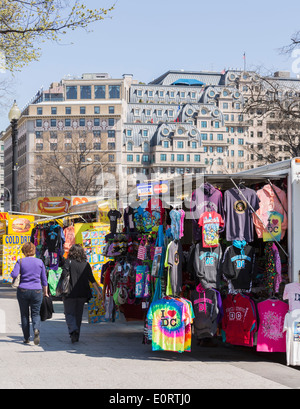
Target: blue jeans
(30, 301)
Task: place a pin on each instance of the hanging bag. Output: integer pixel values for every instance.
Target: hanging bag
(142, 250)
(16, 281)
(63, 286)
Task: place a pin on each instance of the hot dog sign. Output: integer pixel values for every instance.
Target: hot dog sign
(53, 206)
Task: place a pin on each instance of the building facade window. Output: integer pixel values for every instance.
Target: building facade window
(114, 91)
(85, 92)
(71, 92)
(99, 91)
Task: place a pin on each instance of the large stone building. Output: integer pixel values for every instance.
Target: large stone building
(180, 123)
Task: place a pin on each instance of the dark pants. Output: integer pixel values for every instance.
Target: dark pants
(73, 309)
(30, 301)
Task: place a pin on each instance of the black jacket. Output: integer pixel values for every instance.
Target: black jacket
(239, 268)
(80, 277)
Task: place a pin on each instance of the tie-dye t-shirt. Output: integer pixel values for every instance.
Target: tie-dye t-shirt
(169, 319)
(188, 326)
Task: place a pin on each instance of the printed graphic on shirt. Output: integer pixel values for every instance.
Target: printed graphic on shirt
(168, 325)
(240, 261)
(211, 223)
(176, 258)
(297, 331)
(272, 325)
(210, 258)
(272, 221)
(240, 206)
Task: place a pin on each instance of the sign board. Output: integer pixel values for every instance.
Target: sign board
(92, 237)
(11, 253)
(153, 188)
(21, 224)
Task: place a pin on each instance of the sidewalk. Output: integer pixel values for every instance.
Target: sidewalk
(112, 356)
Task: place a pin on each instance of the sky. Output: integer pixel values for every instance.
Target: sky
(148, 38)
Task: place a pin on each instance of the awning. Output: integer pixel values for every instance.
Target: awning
(186, 81)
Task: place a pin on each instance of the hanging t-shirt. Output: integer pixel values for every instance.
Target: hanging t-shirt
(239, 221)
(113, 216)
(292, 294)
(205, 198)
(238, 320)
(238, 266)
(270, 336)
(211, 222)
(206, 312)
(273, 222)
(157, 212)
(169, 318)
(292, 328)
(206, 265)
(174, 260)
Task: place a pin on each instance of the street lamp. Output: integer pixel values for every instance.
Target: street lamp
(14, 116)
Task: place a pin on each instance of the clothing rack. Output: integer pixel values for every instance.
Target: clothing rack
(241, 193)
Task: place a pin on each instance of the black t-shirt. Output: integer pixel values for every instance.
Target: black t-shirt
(113, 216)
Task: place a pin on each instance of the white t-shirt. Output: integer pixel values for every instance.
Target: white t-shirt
(292, 294)
(292, 327)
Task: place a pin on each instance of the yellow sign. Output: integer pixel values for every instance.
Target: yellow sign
(92, 237)
(11, 253)
(21, 224)
(2, 227)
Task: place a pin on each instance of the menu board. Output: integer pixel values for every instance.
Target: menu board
(11, 252)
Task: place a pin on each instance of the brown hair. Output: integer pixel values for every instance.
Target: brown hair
(28, 249)
(77, 253)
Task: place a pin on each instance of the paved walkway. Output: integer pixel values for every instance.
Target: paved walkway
(112, 356)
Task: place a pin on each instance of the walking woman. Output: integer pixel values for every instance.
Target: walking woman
(80, 292)
(33, 285)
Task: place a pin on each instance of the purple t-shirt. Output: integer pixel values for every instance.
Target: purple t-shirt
(205, 199)
(33, 273)
(239, 220)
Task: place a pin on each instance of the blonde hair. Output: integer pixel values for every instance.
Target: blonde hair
(28, 249)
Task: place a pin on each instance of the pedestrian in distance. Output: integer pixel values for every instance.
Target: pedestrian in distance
(81, 276)
(33, 286)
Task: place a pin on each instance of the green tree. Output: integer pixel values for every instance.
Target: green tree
(25, 24)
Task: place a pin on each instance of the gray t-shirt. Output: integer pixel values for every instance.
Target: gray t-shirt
(174, 260)
(239, 220)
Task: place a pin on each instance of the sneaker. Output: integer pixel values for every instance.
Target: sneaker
(74, 336)
(26, 341)
(36, 337)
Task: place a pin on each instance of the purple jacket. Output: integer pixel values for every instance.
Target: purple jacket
(33, 273)
(205, 198)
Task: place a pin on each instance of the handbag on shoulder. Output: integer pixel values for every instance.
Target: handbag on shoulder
(63, 286)
(16, 281)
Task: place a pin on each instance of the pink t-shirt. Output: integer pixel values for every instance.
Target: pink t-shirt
(270, 336)
(292, 294)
